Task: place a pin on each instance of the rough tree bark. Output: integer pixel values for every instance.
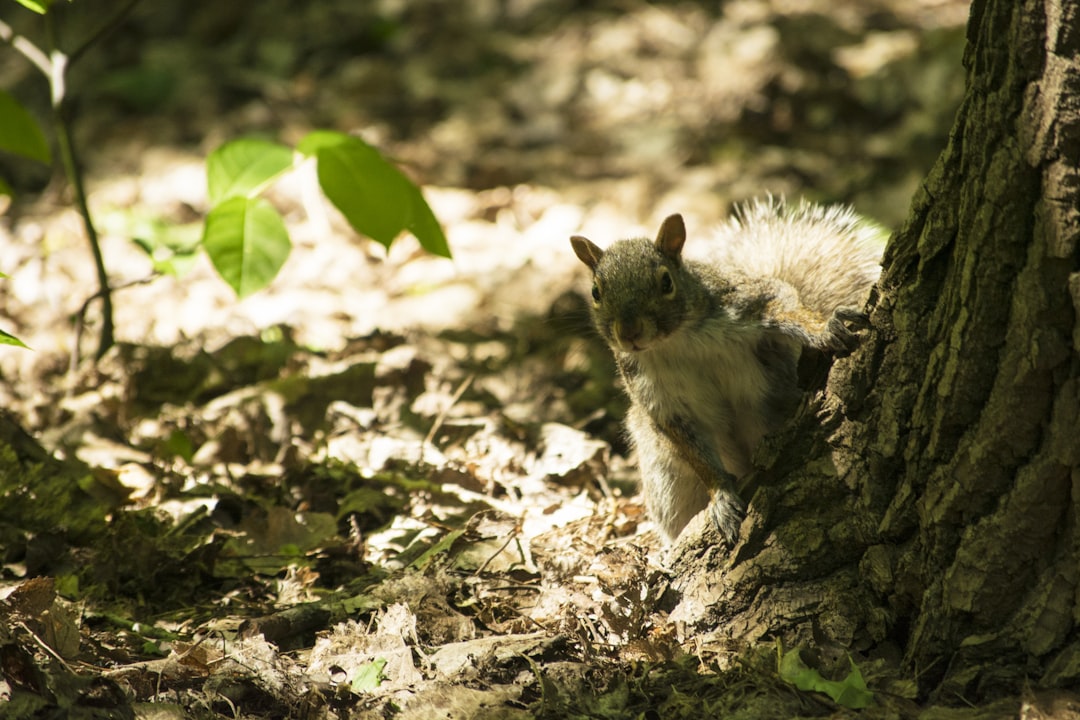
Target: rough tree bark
(937, 515)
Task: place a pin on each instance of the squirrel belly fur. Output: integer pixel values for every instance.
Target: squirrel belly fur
(708, 341)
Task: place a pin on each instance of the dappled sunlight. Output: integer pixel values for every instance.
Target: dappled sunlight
(390, 479)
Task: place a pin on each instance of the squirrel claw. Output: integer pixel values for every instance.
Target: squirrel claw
(853, 316)
(727, 512)
(839, 337)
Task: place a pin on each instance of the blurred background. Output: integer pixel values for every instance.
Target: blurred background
(523, 120)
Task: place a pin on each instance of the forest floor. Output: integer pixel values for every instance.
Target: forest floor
(392, 484)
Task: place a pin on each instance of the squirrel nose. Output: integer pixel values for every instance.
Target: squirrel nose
(628, 330)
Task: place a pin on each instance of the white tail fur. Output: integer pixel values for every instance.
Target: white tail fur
(830, 255)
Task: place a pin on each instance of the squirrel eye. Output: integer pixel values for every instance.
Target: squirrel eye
(667, 285)
(596, 293)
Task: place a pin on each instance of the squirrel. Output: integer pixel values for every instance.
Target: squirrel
(708, 344)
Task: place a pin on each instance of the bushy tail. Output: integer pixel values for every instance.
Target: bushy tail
(829, 254)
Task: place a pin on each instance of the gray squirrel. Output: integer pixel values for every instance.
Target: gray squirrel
(708, 342)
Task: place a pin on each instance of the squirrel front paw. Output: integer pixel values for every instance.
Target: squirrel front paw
(727, 511)
(840, 332)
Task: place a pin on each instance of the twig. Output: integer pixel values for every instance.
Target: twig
(45, 646)
(509, 539)
(106, 28)
(80, 317)
(441, 418)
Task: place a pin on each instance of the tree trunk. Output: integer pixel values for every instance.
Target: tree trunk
(938, 516)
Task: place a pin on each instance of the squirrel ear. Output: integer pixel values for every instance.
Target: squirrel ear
(671, 237)
(587, 251)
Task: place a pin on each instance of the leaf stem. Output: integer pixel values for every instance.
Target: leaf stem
(57, 91)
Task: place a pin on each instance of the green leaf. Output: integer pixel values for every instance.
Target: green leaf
(176, 263)
(19, 132)
(244, 167)
(172, 248)
(38, 6)
(851, 692)
(425, 228)
(153, 648)
(247, 241)
(370, 192)
(9, 339)
(442, 547)
(317, 140)
(373, 194)
(178, 444)
(369, 676)
(5, 189)
(68, 586)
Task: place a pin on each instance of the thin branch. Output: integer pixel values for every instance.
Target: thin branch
(110, 25)
(65, 140)
(45, 646)
(80, 316)
(441, 418)
(54, 66)
(26, 48)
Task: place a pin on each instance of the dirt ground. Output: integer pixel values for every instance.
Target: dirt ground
(392, 485)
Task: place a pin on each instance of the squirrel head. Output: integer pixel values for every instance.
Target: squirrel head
(641, 289)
